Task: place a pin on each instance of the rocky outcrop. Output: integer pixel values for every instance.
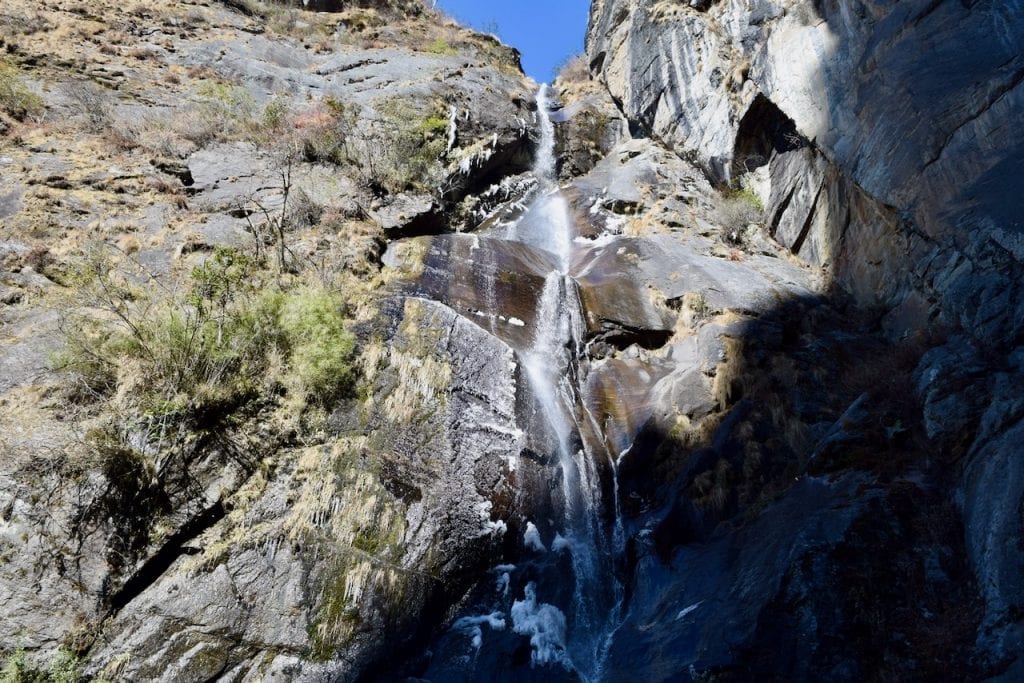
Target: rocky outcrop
(782, 304)
(331, 557)
(879, 150)
(305, 553)
(895, 159)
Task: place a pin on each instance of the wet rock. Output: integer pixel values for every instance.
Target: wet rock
(618, 308)
(759, 600)
(618, 394)
(494, 283)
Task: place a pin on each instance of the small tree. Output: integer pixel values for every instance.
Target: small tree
(275, 224)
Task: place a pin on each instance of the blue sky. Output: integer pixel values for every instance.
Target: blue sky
(545, 31)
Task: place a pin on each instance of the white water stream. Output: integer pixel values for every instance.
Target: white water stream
(551, 368)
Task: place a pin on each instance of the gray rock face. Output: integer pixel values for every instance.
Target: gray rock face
(724, 85)
(489, 109)
(587, 127)
(879, 149)
(329, 559)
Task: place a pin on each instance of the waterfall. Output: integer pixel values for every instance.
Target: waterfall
(544, 160)
(568, 616)
(551, 367)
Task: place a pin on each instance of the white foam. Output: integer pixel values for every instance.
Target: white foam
(561, 543)
(496, 527)
(471, 626)
(531, 539)
(544, 624)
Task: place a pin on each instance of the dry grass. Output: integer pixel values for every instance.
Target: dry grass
(575, 70)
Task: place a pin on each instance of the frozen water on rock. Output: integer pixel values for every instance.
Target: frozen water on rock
(544, 624)
(503, 584)
(687, 610)
(531, 539)
(471, 626)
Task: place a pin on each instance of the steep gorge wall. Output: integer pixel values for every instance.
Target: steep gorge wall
(907, 137)
(297, 552)
(880, 137)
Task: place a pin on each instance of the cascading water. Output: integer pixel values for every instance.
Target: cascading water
(564, 595)
(551, 366)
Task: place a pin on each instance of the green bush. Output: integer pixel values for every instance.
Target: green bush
(400, 149)
(440, 46)
(321, 349)
(15, 670)
(212, 348)
(165, 353)
(404, 147)
(325, 138)
(738, 209)
(93, 103)
(16, 99)
(275, 114)
(65, 668)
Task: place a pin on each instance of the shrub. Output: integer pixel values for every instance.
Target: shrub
(323, 133)
(398, 150)
(402, 149)
(14, 23)
(574, 70)
(221, 112)
(321, 349)
(440, 46)
(210, 349)
(303, 210)
(65, 668)
(16, 99)
(738, 209)
(15, 669)
(93, 103)
(275, 114)
(167, 354)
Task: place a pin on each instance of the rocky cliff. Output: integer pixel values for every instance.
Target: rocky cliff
(882, 152)
(194, 151)
(333, 350)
